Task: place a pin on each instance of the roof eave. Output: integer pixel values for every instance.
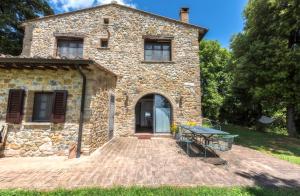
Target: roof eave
(52, 62)
(44, 60)
(202, 34)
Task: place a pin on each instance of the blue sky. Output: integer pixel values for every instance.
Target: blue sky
(223, 18)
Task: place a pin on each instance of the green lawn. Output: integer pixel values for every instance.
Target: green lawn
(280, 146)
(159, 191)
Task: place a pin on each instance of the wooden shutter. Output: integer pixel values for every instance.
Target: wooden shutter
(15, 106)
(59, 106)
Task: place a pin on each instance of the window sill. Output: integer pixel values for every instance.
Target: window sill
(37, 125)
(158, 62)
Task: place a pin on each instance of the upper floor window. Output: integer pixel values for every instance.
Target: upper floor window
(72, 48)
(157, 50)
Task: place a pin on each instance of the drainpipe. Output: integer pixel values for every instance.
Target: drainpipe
(81, 119)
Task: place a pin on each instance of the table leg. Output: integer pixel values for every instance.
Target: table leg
(187, 148)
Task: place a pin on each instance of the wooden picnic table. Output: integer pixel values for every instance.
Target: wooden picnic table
(204, 132)
(206, 137)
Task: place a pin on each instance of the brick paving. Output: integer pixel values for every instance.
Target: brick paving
(155, 162)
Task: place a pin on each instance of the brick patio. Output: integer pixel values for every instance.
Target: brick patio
(155, 162)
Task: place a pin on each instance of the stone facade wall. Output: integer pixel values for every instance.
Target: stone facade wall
(27, 40)
(178, 80)
(40, 139)
(99, 89)
(44, 139)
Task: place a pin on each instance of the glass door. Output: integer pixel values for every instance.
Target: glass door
(162, 114)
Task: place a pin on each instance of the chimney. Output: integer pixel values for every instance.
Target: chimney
(184, 14)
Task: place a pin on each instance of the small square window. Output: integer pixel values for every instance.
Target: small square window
(106, 21)
(104, 43)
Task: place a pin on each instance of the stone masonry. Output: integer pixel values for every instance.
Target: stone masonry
(44, 139)
(177, 80)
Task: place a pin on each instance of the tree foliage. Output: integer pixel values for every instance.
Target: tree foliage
(266, 69)
(215, 77)
(12, 13)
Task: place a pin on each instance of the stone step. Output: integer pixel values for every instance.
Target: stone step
(144, 137)
(150, 135)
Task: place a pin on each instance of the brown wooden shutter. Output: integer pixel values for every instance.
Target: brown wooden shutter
(59, 106)
(15, 106)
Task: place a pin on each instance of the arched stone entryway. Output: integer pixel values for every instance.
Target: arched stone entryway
(153, 114)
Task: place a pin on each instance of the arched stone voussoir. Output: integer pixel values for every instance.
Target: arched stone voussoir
(154, 91)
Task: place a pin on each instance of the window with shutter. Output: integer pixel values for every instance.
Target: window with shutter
(59, 106)
(15, 106)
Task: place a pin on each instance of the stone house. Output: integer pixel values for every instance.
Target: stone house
(87, 76)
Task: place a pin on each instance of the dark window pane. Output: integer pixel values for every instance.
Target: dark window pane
(166, 55)
(157, 47)
(73, 45)
(166, 47)
(106, 21)
(72, 52)
(157, 51)
(42, 107)
(148, 55)
(104, 43)
(158, 55)
(79, 52)
(161, 102)
(148, 46)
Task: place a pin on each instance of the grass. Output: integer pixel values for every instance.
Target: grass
(207, 191)
(278, 145)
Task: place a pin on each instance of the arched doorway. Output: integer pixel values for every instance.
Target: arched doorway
(153, 114)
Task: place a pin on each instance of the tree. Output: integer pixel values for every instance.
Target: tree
(266, 67)
(12, 13)
(215, 78)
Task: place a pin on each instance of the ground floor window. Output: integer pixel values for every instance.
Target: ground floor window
(50, 106)
(41, 106)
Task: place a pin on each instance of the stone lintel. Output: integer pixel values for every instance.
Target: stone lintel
(70, 35)
(158, 37)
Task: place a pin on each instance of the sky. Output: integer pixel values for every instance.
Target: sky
(223, 18)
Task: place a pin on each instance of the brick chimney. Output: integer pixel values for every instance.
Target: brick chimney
(184, 14)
